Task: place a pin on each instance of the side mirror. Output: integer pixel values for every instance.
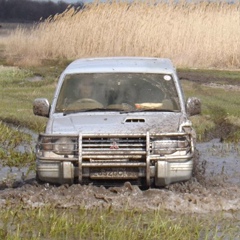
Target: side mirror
(193, 106)
(41, 107)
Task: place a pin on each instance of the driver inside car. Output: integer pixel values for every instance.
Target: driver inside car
(84, 94)
(84, 88)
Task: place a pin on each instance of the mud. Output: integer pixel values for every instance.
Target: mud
(214, 187)
(209, 78)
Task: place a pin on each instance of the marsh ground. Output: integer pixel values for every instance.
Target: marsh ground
(213, 194)
(215, 186)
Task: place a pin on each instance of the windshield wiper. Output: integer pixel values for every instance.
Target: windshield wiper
(66, 112)
(121, 111)
(149, 110)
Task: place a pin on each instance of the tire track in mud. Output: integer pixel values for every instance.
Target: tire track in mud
(214, 187)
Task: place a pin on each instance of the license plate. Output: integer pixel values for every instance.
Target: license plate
(113, 173)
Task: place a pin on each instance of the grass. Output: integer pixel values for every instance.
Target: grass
(225, 101)
(220, 111)
(17, 92)
(16, 147)
(46, 223)
(194, 35)
(219, 102)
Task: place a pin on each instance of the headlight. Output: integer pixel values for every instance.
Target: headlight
(45, 143)
(64, 146)
(169, 146)
(59, 145)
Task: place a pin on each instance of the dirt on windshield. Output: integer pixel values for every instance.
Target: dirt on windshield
(214, 186)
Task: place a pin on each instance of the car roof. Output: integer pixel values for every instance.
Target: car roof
(121, 64)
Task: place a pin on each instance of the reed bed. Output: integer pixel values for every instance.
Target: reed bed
(194, 35)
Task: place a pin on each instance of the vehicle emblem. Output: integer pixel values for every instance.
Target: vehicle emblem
(114, 145)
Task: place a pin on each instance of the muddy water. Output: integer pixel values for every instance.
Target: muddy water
(215, 187)
(222, 161)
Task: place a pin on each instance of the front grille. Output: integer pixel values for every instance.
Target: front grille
(113, 146)
(106, 144)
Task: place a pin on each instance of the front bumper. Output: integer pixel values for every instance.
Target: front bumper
(117, 157)
(164, 173)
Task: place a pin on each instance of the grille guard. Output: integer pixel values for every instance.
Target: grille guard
(114, 151)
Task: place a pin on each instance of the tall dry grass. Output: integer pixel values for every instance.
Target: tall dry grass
(192, 34)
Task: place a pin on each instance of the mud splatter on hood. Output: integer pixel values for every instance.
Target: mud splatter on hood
(115, 123)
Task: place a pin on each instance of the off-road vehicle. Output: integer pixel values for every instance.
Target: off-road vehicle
(114, 120)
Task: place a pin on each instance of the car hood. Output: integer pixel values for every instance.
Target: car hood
(114, 123)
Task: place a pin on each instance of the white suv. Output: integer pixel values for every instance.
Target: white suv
(117, 119)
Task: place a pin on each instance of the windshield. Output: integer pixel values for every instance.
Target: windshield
(118, 92)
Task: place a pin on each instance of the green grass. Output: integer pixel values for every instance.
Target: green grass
(50, 223)
(227, 100)
(18, 91)
(220, 107)
(16, 147)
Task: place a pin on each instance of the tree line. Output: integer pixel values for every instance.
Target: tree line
(29, 10)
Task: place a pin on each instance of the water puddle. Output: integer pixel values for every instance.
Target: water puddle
(222, 160)
(15, 174)
(12, 173)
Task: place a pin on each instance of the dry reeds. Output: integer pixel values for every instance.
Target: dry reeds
(195, 34)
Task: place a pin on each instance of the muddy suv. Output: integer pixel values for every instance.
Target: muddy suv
(114, 120)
